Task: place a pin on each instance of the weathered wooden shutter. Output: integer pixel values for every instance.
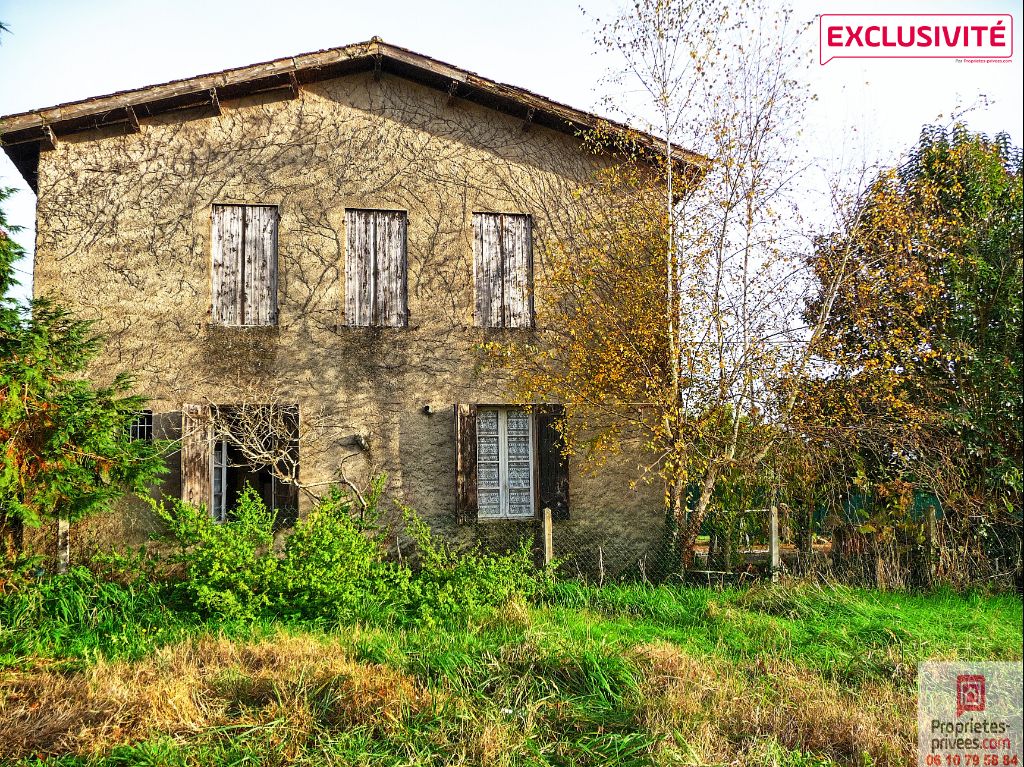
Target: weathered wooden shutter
(227, 246)
(259, 266)
(553, 464)
(244, 268)
(359, 242)
(196, 438)
(503, 270)
(465, 462)
(390, 306)
(376, 268)
(517, 253)
(488, 268)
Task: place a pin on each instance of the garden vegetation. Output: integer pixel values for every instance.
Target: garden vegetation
(231, 648)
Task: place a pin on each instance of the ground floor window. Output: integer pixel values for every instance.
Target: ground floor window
(141, 429)
(231, 473)
(510, 462)
(226, 448)
(504, 463)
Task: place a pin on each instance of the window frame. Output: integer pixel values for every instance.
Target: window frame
(219, 464)
(503, 463)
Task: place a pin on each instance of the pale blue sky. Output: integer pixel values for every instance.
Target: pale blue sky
(62, 50)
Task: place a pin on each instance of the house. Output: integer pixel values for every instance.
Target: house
(298, 260)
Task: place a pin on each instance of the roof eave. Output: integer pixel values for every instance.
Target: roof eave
(25, 134)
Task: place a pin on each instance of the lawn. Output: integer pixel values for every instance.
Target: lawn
(632, 675)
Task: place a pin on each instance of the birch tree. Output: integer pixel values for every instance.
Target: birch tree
(677, 307)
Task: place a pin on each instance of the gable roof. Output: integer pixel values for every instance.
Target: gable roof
(25, 134)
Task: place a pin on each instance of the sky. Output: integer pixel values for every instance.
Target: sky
(864, 110)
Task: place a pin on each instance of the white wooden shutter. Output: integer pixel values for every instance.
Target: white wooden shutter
(358, 267)
(517, 251)
(487, 270)
(244, 265)
(390, 260)
(259, 266)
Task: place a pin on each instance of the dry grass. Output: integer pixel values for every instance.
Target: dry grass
(699, 709)
(724, 711)
(191, 687)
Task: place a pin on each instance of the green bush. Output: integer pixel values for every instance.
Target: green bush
(451, 586)
(229, 569)
(333, 564)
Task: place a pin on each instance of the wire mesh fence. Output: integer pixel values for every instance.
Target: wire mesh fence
(648, 553)
(837, 551)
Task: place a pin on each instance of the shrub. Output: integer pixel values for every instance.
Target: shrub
(129, 567)
(452, 586)
(229, 569)
(333, 564)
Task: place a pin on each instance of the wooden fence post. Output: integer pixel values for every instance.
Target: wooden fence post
(63, 544)
(773, 542)
(931, 546)
(549, 548)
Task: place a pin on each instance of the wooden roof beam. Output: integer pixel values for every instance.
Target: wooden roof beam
(48, 141)
(528, 120)
(214, 101)
(133, 119)
(293, 84)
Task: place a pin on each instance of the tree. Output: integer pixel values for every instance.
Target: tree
(676, 314)
(924, 341)
(66, 443)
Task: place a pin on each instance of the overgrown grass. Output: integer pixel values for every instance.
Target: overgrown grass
(849, 634)
(326, 653)
(68, 621)
(791, 675)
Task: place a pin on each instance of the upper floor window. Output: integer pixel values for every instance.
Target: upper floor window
(375, 268)
(503, 270)
(244, 277)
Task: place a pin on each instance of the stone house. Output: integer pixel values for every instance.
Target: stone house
(316, 247)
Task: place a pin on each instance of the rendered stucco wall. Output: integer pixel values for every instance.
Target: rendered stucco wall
(124, 237)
